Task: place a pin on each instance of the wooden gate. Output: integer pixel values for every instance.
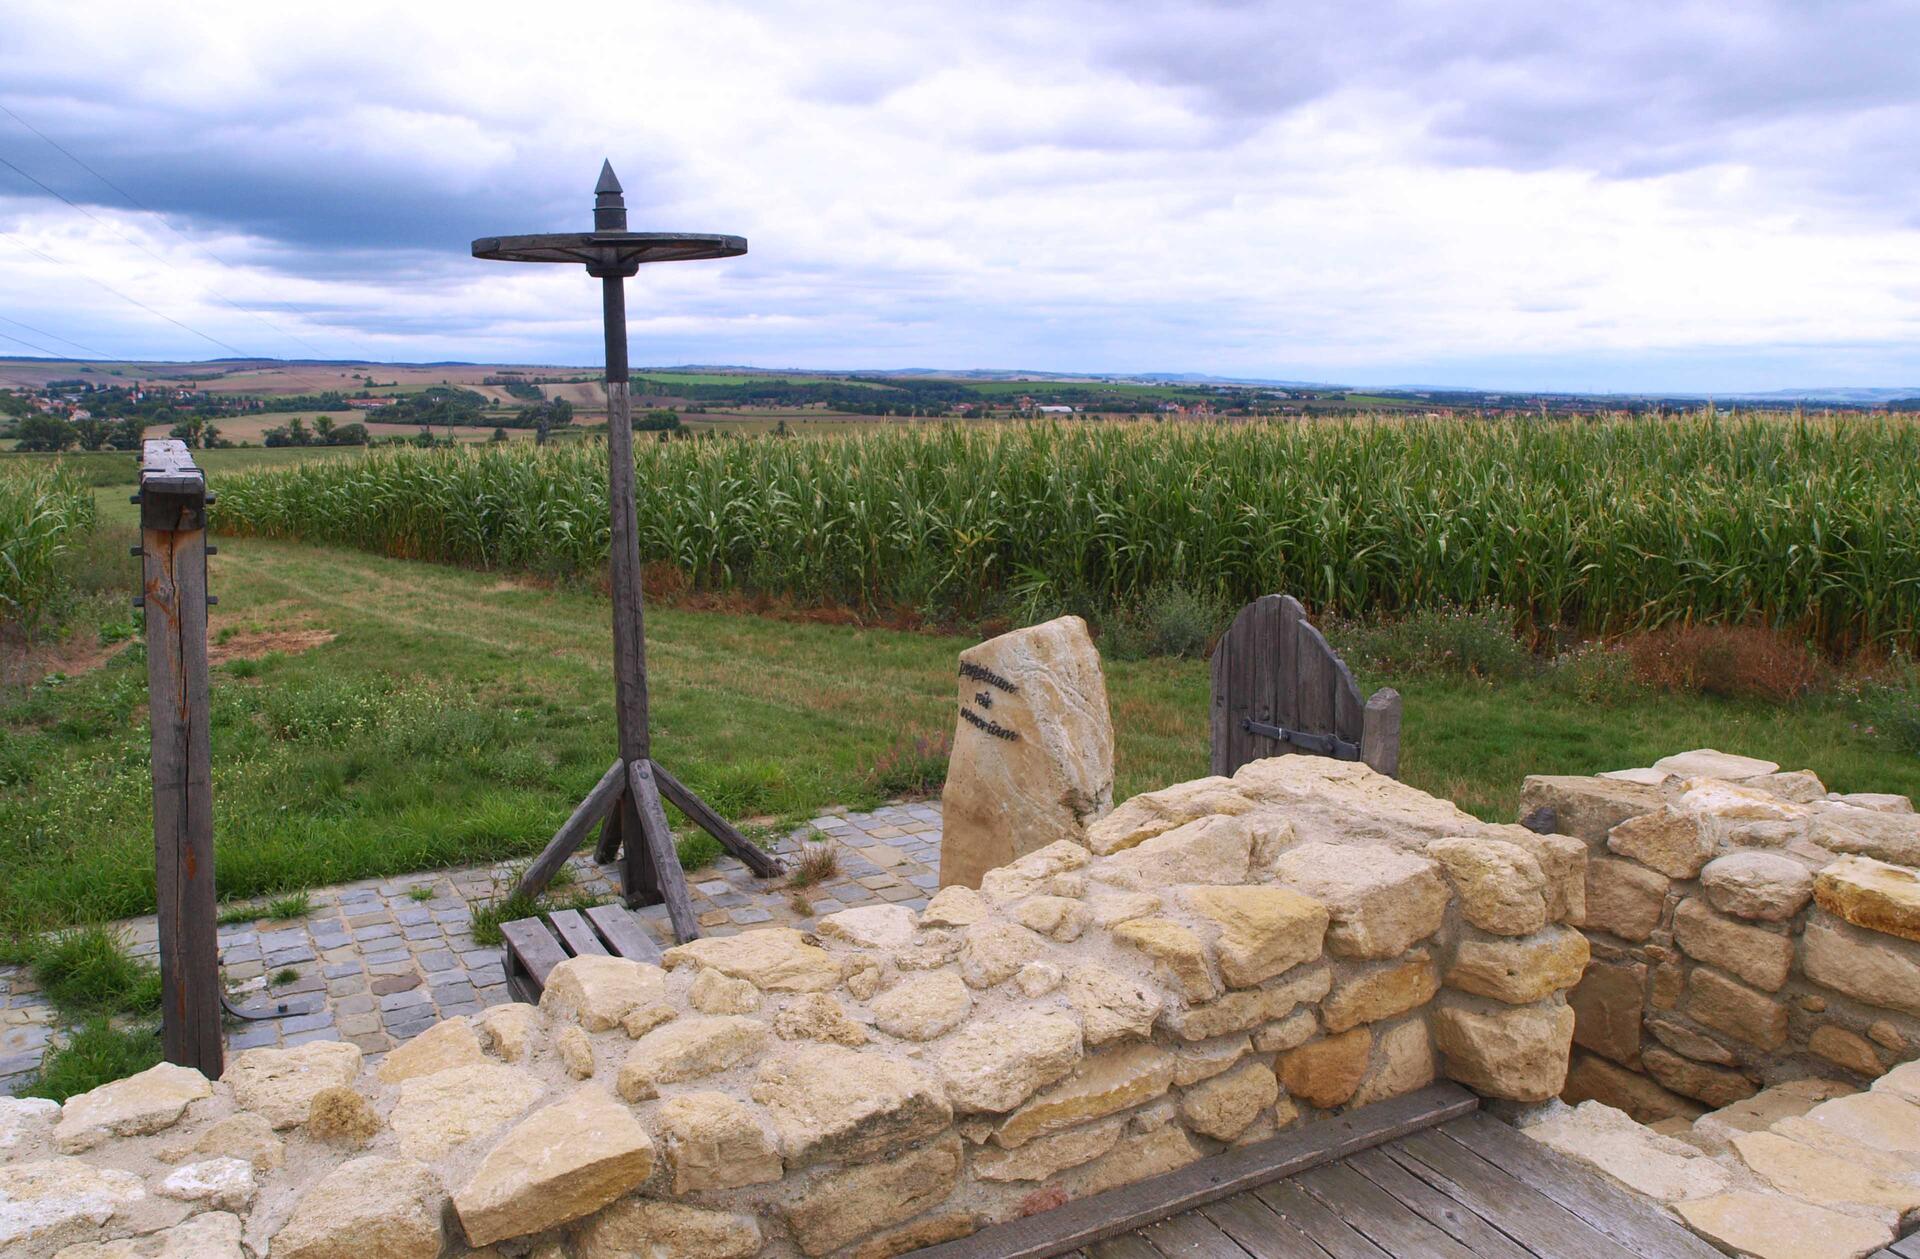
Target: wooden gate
(1279, 689)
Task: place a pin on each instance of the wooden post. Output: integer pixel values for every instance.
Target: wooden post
(1380, 732)
(173, 547)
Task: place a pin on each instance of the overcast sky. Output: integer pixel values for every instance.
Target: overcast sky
(1579, 195)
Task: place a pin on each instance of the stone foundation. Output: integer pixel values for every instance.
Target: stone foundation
(1218, 961)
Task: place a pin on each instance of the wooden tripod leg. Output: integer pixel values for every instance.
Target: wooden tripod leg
(601, 801)
(763, 864)
(657, 839)
(609, 846)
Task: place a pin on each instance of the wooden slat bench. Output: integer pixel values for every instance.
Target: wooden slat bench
(534, 947)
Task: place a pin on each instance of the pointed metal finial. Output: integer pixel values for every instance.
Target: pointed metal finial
(609, 207)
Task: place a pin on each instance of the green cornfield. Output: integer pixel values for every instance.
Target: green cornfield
(44, 510)
(1606, 525)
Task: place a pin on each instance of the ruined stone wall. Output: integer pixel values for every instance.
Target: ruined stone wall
(1748, 928)
(1223, 959)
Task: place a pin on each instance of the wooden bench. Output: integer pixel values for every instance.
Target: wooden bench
(535, 946)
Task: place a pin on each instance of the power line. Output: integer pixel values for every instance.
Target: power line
(234, 349)
(30, 345)
(84, 349)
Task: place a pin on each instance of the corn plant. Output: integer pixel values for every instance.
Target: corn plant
(44, 511)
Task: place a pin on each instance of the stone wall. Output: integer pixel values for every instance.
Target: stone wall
(1219, 960)
(1748, 928)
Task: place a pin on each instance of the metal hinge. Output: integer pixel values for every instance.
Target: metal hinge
(1324, 744)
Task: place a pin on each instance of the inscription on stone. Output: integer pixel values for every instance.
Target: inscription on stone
(980, 673)
(993, 728)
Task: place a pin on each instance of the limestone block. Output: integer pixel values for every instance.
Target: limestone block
(956, 906)
(1380, 991)
(1708, 763)
(150, 1101)
(1213, 850)
(1247, 1008)
(1587, 808)
(1046, 1157)
(995, 1064)
(1402, 1062)
(1607, 1006)
(1501, 887)
(437, 1112)
(1845, 1049)
(1871, 894)
(1591, 1077)
(1111, 1006)
(992, 952)
(1223, 1106)
(922, 1007)
(1820, 1177)
(1519, 970)
(26, 1119)
(1878, 969)
(1032, 760)
(840, 1208)
(280, 1083)
(49, 1203)
(1116, 1080)
(816, 1016)
(557, 1165)
(1032, 874)
(1878, 1120)
(689, 1049)
(597, 992)
(772, 959)
(1194, 1063)
(1515, 1052)
(1716, 1086)
(666, 1230)
(714, 993)
(1328, 1071)
(1768, 1226)
(1760, 957)
(507, 1030)
(713, 1141)
(1157, 812)
(1624, 898)
(376, 1205)
(241, 1135)
(833, 1103)
(341, 1115)
(1674, 843)
(1260, 932)
(1179, 955)
(223, 1184)
(1763, 886)
(1381, 902)
(871, 926)
(212, 1235)
(1658, 1167)
(1138, 1157)
(1061, 917)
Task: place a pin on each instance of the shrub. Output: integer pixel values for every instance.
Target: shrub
(1889, 705)
(1448, 641)
(1170, 621)
(913, 768)
(1731, 662)
(1593, 673)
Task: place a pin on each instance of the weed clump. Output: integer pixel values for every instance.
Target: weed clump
(1726, 661)
(816, 865)
(913, 768)
(88, 971)
(1168, 621)
(1451, 640)
(97, 1052)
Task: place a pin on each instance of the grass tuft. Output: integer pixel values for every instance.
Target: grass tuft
(818, 863)
(87, 970)
(96, 1053)
(284, 908)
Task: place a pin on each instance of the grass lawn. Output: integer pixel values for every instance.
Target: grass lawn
(373, 716)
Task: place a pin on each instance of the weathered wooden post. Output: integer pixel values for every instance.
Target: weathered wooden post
(628, 796)
(173, 549)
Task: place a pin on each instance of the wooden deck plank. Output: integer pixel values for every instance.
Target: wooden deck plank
(1454, 1219)
(1328, 1231)
(1191, 1236)
(1907, 1247)
(1375, 1215)
(1260, 1232)
(532, 953)
(1634, 1223)
(624, 934)
(1536, 1222)
(576, 934)
(1089, 1220)
(1125, 1246)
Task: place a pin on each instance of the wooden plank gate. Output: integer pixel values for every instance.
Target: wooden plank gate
(1279, 690)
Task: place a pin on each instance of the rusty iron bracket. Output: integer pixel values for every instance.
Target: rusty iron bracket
(1324, 744)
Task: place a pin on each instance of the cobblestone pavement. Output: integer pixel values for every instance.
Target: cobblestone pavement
(378, 961)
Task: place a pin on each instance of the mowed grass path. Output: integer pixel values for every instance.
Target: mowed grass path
(411, 715)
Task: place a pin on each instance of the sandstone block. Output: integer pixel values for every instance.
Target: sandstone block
(995, 1064)
(992, 952)
(1515, 1052)
(1380, 992)
(816, 1016)
(713, 1141)
(241, 1135)
(1889, 837)
(1716, 1086)
(506, 1030)
(1661, 1168)
(213, 1235)
(1223, 1106)
(1247, 1008)
(1328, 1071)
(1708, 763)
(714, 993)
(376, 1205)
(1202, 1061)
(437, 1112)
(1846, 1049)
(956, 906)
(688, 1049)
(150, 1101)
(448, 1043)
(1591, 1077)
(575, 1050)
(1587, 808)
(1060, 917)
(834, 1103)
(1137, 1157)
(1871, 894)
(1033, 874)
(26, 1119)
(1501, 887)
(1102, 1085)
(49, 1203)
(1005, 796)
(1112, 908)
(1519, 970)
(1762, 958)
(772, 959)
(1046, 1157)
(1688, 1043)
(1180, 956)
(1802, 786)
(922, 1007)
(1821, 1177)
(666, 1230)
(1562, 859)
(1768, 1108)
(1111, 1006)
(1157, 812)
(871, 926)
(1878, 1120)
(643, 1019)
(928, 1230)
(1213, 850)
(1674, 843)
(556, 1165)
(1767, 1226)
(223, 1184)
(1878, 969)
(1764, 886)
(1903, 1082)
(597, 992)
(1735, 802)
(1260, 931)
(1878, 802)
(1381, 902)
(842, 1207)
(280, 1083)
(1607, 1007)
(1289, 1033)
(1624, 898)
(1402, 1062)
